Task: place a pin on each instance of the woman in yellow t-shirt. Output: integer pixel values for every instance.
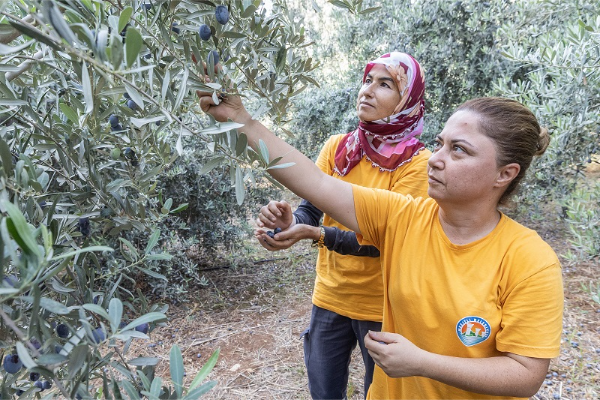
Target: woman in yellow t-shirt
(383, 152)
(473, 300)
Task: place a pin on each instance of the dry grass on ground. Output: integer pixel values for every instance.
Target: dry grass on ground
(255, 314)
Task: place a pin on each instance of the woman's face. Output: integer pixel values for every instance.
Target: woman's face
(378, 96)
(463, 167)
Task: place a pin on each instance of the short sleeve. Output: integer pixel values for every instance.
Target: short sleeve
(377, 208)
(414, 176)
(532, 316)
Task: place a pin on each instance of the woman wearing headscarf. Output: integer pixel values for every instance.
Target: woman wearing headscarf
(382, 152)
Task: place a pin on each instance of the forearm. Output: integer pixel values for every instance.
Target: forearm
(308, 214)
(304, 178)
(499, 376)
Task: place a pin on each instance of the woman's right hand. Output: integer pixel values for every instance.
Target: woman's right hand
(229, 107)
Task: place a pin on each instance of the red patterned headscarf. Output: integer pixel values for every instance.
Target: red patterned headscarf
(392, 141)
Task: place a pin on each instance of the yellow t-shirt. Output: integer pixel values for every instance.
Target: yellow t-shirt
(348, 285)
(501, 293)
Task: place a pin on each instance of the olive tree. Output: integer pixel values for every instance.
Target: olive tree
(97, 106)
(560, 48)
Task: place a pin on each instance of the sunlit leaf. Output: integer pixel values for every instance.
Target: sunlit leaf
(88, 94)
(240, 190)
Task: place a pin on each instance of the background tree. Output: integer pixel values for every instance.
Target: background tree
(99, 123)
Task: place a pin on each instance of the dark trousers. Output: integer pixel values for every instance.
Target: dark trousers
(328, 345)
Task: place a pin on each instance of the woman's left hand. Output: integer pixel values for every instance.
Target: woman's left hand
(396, 356)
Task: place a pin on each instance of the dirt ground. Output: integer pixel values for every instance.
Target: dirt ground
(255, 314)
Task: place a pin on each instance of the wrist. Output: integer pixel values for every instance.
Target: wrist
(245, 119)
(294, 222)
(423, 367)
(318, 236)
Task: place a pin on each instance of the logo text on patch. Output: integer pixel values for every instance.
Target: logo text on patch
(472, 330)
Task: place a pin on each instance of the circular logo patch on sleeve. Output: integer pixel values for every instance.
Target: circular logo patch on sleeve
(472, 330)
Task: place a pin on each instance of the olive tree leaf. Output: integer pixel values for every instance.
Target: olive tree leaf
(124, 18)
(5, 157)
(34, 33)
(155, 388)
(130, 389)
(96, 309)
(133, 45)
(146, 318)
(241, 144)
(25, 357)
(152, 273)
(49, 305)
(134, 94)
(115, 51)
(86, 83)
(132, 250)
(205, 370)
(69, 113)
(264, 150)
(5, 50)
(57, 20)
(211, 164)
(79, 251)
(139, 122)
(143, 361)
(280, 166)
(19, 229)
(77, 359)
(176, 368)
(115, 313)
(220, 128)
(152, 241)
(199, 391)
(101, 43)
(183, 89)
(240, 191)
(178, 145)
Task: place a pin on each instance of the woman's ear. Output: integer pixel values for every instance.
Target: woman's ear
(506, 174)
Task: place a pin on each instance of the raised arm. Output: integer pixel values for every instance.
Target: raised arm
(304, 178)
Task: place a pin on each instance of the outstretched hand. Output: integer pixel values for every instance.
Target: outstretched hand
(397, 356)
(287, 238)
(223, 107)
